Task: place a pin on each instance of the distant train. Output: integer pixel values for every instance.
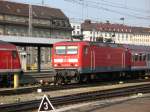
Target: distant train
(84, 61)
(9, 62)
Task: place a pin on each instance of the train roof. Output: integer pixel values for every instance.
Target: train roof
(72, 43)
(140, 48)
(6, 45)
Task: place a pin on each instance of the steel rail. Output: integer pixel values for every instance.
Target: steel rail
(75, 98)
(24, 90)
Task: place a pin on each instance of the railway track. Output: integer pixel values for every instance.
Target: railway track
(30, 89)
(75, 98)
(36, 77)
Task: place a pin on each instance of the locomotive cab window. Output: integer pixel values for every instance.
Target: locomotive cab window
(14, 54)
(60, 49)
(72, 49)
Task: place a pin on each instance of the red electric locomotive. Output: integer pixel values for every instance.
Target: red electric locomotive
(9, 62)
(88, 60)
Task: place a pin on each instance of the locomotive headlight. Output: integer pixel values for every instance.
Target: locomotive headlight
(55, 65)
(73, 60)
(58, 60)
(76, 64)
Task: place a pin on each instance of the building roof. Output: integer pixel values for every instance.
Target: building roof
(19, 9)
(109, 27)
(30, 41)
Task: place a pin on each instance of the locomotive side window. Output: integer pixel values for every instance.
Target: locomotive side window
(60, 49)
(72, 49)
(14, 54)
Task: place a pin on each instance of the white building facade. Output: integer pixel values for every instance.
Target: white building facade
(118, 33)
(76, 28)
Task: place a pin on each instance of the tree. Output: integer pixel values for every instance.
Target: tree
(109, 40)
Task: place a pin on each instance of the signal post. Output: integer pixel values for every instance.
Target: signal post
(16, 80)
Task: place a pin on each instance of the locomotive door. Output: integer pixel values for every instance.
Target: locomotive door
(123, 60)
(93, 67)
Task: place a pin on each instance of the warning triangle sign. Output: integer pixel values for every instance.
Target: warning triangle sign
(46, 105)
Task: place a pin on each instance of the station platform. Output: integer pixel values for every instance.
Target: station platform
(128, 104)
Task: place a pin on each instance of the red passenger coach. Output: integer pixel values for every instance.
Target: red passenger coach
(87, 60)
(9, 61)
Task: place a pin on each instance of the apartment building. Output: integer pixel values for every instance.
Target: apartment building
(118, 33)
(43, 22)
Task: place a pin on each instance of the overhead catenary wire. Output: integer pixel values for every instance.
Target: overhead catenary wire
(96, 6)
(119, 6)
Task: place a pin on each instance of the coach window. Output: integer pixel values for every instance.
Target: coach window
(148, 57)
(14, 54)
(144, 57)
(132, 58)
(140, 57)
(136, 57)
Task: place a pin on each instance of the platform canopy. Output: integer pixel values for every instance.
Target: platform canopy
(31, 41)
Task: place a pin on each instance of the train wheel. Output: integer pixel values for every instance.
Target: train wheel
(58, 79)
(84, 78)
(92, 77)
(65, 80)
(77, 78)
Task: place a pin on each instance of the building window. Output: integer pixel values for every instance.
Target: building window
(1, 29)
(105, 34)
(73, 32)
(74, 27)
(1, 17)
(109, 34)
(41, 22)
(16, 18)
(78, 27)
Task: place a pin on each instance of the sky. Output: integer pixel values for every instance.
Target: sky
(134, 12)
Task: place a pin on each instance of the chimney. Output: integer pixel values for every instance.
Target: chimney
(87, 21)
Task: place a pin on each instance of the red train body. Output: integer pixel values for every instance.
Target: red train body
(9, 58)
(82, 59)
